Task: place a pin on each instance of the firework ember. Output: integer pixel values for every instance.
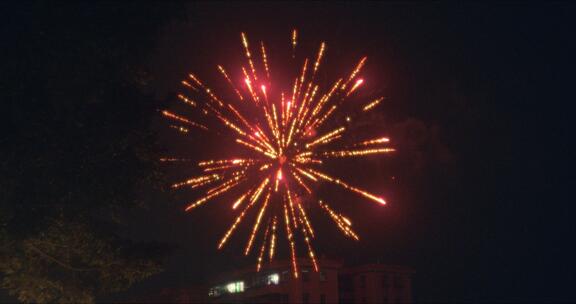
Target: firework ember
(286, 142)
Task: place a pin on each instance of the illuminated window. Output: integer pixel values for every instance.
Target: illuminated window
(384, 281)
(216, 291)
(305, 275)
(273, 279)
(285, 276)
(235, 287)
(398, 282)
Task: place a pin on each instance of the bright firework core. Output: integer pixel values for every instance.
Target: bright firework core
(286, 140)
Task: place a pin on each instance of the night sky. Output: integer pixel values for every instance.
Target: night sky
(477, 100)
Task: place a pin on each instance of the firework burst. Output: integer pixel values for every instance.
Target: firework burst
(285, 138)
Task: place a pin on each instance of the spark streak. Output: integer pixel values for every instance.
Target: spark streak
(373, 104)
(294, 41)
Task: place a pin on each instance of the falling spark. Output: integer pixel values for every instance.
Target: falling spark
(291, 242)
(320, 53)
(184, 120)
(221, 69)
(263, 247)
(373, 104)
(374, 141)
(179, 128)
(263, 88)
(239, 201)
(354, 72)
(342, 222)
(282, 133)
(294, 41)
(257, 224)
(186, 100)
(346, 220)
(273, 240)
(187, 84)
(349, 153)
(265, 60)
(247, 48)
(173, 159)
(355, 86)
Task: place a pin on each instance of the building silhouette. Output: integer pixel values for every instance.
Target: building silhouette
(333, 283)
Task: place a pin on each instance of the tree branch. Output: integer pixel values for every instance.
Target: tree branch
(53, 259)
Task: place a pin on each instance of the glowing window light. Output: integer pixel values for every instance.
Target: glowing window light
(273, 279)
(235, 287)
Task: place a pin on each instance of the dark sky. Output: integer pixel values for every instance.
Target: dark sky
(477, 99)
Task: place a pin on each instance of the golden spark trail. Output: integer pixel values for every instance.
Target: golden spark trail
(235, 224)
(355, 72)
(294, 41)
(273, 240)
(310, 250)
(221, 69)
(351, 153)
(326, 138)
(291, 204)
(306, 221)
(261, 254)
(265, 60)
(234, 161)
(226, 184)
(196, 180)
(308, 175)
(255, 148)
(211, 195)
(182, 119)
(218, 168)
(257, 224)
(351, 188)
(301, 182)
(321, 104)
(278, 179)
(245, 43)
(321, 120)
(240, 117)
(346, 220)
(180, 129)
(372, 105)
(291, 242)
(259, 190)
(240, 200)
(187, 84)
(249, 85)
(186, 100)
(340, 221)
(373, 141)
(207, 90)
(317, 63)
(355, 86)
(172, 159)
(200, 184)
(263, 88)
(293, 100)
(301, 82)
(282, 109)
